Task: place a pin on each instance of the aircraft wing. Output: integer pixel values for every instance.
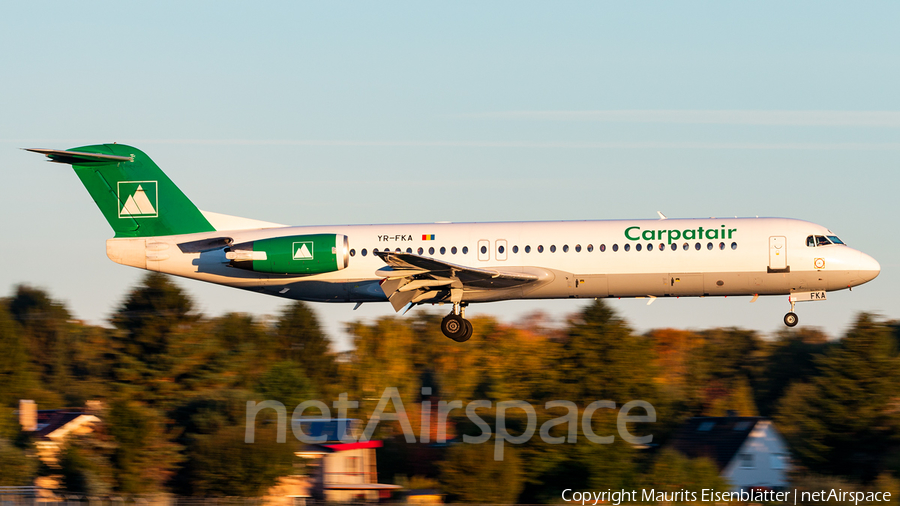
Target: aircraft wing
(410, 278)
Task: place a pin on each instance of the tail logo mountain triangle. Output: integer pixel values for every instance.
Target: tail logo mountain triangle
(303, 250)
(138, 199)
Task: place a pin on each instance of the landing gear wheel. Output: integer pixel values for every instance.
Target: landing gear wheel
(791, 319)
(454, 327)
(469, 329)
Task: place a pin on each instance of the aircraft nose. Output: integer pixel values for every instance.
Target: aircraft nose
(869, 268)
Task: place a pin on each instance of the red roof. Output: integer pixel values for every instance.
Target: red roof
(354, 446)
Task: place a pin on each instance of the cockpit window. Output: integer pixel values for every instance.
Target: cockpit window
(821, 240)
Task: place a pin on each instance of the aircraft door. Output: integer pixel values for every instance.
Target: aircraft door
(684, 283)
(500, 255)
(777, 253)
(484, 250)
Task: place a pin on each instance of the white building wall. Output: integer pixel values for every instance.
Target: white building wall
(770, 460)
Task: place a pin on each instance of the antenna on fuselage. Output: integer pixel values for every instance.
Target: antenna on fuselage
(661, 215)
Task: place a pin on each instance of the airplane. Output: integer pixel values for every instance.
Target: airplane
(158, 228)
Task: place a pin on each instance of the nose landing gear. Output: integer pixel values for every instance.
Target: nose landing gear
(455, 326)
(791, 318)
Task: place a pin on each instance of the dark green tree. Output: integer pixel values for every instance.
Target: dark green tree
(301, 339)
(790, 359)
(45, 325)
(672, 471)
(154, 320)
(845, 420)
(284, 382)
(85, 463)
(218, 461)
(15, 375)
(470, 474)
(17, 467)
(143, 457)
(602, 359)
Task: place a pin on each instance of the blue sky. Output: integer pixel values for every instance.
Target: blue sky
(333, 113)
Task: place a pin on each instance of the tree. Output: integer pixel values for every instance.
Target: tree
(602, 359)
(17, 467)
(155, 317)
(470, 474)
(150, 316)
(284, 382)
(45, 323)
(218, 462)
(790, 359)
(143, 457)
(845, 421)
(672, 471)
(302, 340)
(85, 464)
(15, 375)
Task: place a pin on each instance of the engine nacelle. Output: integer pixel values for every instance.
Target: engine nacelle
(295, 254)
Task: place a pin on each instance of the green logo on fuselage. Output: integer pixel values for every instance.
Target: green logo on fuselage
(688, 234)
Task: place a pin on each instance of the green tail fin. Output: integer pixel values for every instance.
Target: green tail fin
(135, 196)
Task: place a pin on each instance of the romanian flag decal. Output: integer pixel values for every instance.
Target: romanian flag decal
(427, 237)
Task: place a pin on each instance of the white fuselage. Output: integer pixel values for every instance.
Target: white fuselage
(673, 257)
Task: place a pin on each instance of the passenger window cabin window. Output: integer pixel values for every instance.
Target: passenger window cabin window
(443, 250)
(420, 250)
(662, 247)
(500, 249)
(628, 247)
(484, 250)
(615, 247)
(649, 246)
(515, 249)
(697, 246)
(409, 250)
(721, 245)
(375, 251)
(465, 250)
(734, 245)
(527, 249)
(577, 248)
(709, 246)
(565, 248)
(637, 247)
(431, 250)
(674, 246)
(540, 248)
(363, 252)
(397, 250)
(552, 248)
(686, 246)
(453, 250)
(353, 252)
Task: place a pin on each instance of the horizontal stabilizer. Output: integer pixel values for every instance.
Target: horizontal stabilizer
(75, 157)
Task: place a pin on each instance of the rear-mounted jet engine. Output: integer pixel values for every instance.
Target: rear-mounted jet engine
(296, 254)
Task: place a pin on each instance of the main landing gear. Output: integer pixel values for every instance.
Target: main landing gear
(455, 326)
(791, 318)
